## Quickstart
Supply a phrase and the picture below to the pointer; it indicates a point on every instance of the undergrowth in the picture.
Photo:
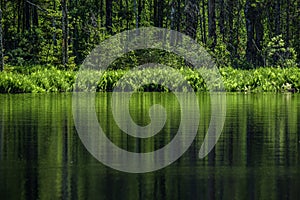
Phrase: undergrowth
(39, 79)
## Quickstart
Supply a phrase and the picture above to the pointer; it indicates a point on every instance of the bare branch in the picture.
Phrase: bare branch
(38, 7)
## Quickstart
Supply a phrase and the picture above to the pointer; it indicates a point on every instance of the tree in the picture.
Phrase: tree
(64, 32)
(1, 44)
(34, 29)
(203, 22)
(192, 11)
(254, 29)
(158, 13)
(108, 23)
(212, 23)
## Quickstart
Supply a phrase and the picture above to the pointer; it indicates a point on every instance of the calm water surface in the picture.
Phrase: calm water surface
(256, 157)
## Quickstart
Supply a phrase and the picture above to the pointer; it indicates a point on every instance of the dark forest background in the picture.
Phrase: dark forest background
(239, 33)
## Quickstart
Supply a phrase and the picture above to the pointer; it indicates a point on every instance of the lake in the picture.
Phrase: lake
(257, 155)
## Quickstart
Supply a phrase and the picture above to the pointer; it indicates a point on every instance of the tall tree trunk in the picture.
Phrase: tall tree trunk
(127, 17)
(178, 15)
(255, 34)
(64, 32)
(221, 19)
(204, 21)
(136, 14)
(19, 17)
(192, 11)
(109, 16)
(1, 44)
(160, 13)
(121, 13)
(140, 8)
(212, 23)
(102, 12)
(287, 37)
(54, 27)
(231, 15)
(35, 17)
(155, 13)
(238, 25)
(173, 14)
(259, 34)
(249, 15)
(277, 17)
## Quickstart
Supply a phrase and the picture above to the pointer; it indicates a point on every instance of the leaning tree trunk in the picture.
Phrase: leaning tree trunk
(65, 33)
(1, 44)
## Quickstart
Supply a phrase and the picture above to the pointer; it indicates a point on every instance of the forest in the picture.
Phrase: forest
(240, 34)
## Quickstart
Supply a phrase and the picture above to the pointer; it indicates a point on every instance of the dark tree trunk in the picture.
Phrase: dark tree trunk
(102, 12)
(140, 9)
(192, 11)
(204, 21)
(127, 17)
(254, 30)
(26, 17)
(231, 46)
(108, 23)
(160, 13)
(35, 17)
(287, 37)
(136, 14)
(259, 34)
(178, 15)
(277, 17)
(64, 32)
(221, 19)
(173, 15)
(155, 13)
(19, 17)
(212, 23)
(1, 44)
(237, 35)
(75, 32)
(54, 32)
(249, 15)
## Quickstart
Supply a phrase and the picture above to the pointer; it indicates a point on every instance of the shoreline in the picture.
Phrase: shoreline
(53, 80)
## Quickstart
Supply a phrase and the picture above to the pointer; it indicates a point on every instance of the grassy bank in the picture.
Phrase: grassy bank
(40, 79)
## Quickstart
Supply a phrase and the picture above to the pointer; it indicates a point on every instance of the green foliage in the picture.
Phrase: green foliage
(37, 79)
(32, 30)
(261, 79)
(222, 55)
(278, 55)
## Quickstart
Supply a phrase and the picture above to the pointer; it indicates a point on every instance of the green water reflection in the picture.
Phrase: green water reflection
(257, 156)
